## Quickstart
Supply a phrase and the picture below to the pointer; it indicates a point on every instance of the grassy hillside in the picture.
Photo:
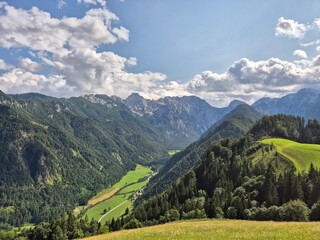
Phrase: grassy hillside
(301, 155)
(219, 229)
(117, 198)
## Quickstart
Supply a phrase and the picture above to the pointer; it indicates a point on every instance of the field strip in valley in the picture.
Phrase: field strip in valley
(103, 197)
(112, 210)
(113, 201)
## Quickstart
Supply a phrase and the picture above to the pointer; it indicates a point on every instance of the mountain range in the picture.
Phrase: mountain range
(304, 103)
(181, 119)
(55, 150)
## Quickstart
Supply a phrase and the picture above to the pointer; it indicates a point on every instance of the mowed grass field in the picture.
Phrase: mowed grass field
(121, 195)
(302, 155)
(220, 229)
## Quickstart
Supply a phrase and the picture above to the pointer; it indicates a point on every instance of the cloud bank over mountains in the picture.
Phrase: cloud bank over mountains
(64, 60)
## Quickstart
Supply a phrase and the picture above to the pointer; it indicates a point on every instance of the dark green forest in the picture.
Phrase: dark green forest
(225, 184)
(57, 153)
(234, 125)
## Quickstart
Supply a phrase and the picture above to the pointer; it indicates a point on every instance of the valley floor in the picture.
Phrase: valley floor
(220, 229)
(112, 202)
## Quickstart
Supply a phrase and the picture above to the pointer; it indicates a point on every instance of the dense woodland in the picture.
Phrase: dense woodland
(66, 227)
(234, 125)
(225, 184)
(53, 164)
(57, 153)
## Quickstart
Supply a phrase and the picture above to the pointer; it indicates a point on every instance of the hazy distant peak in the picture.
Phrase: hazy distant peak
(235, 103)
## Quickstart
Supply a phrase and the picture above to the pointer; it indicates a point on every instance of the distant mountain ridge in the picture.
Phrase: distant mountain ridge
(304, 103)
(182, 119)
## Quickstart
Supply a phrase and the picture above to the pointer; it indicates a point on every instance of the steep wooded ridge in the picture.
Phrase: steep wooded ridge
(233, 125)
(55, 153)
(181, 119)
(242, 179)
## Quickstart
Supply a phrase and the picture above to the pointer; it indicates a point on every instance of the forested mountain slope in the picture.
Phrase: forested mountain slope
(55, 153)
(226, 182)
(234, 125)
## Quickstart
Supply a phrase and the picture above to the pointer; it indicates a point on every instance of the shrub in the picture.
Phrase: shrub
(133, 223)
(295, 211)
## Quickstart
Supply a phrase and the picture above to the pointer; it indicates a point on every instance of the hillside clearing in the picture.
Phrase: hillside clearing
(219, 229)
(301, 155)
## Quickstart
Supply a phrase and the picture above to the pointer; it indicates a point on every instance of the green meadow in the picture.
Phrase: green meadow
(301, 155)
(220, 230)
(121, 197)
(173, 152)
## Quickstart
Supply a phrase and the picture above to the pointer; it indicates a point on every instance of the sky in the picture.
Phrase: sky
(217, 50)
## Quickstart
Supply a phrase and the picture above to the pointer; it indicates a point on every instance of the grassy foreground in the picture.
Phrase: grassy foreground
(220, 229)
(301, 155)
(119, 197)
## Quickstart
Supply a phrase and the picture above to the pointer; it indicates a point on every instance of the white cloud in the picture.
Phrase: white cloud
(308, 34)
(94, 2)
(20, 81)
(300, 54)
(37, 30)
(28, 65)
(290, 28)
(104, 72)
(248, 81)
(5, 66)
(67, 47)
(61, 3)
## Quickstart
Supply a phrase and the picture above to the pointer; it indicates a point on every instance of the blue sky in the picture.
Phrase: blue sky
(217, 50)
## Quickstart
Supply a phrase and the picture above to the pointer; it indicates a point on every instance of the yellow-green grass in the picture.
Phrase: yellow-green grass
(133, 176)
(134, 187)
(96, 212)
(220, 229)
(301, 155)
(173, 152)
(123, 191)
(129, 178)
(281, 163)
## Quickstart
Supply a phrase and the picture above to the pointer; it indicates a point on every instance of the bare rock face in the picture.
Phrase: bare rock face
(181, 119)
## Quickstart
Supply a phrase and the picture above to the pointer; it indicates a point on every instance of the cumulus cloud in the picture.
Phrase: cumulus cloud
(248, 81)
(5, 66)
(37, 30)
(28, 65)
(103, 72)
(20, 81)
(307, 34)
(290, 28)
(300, 54)
(67, 48)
